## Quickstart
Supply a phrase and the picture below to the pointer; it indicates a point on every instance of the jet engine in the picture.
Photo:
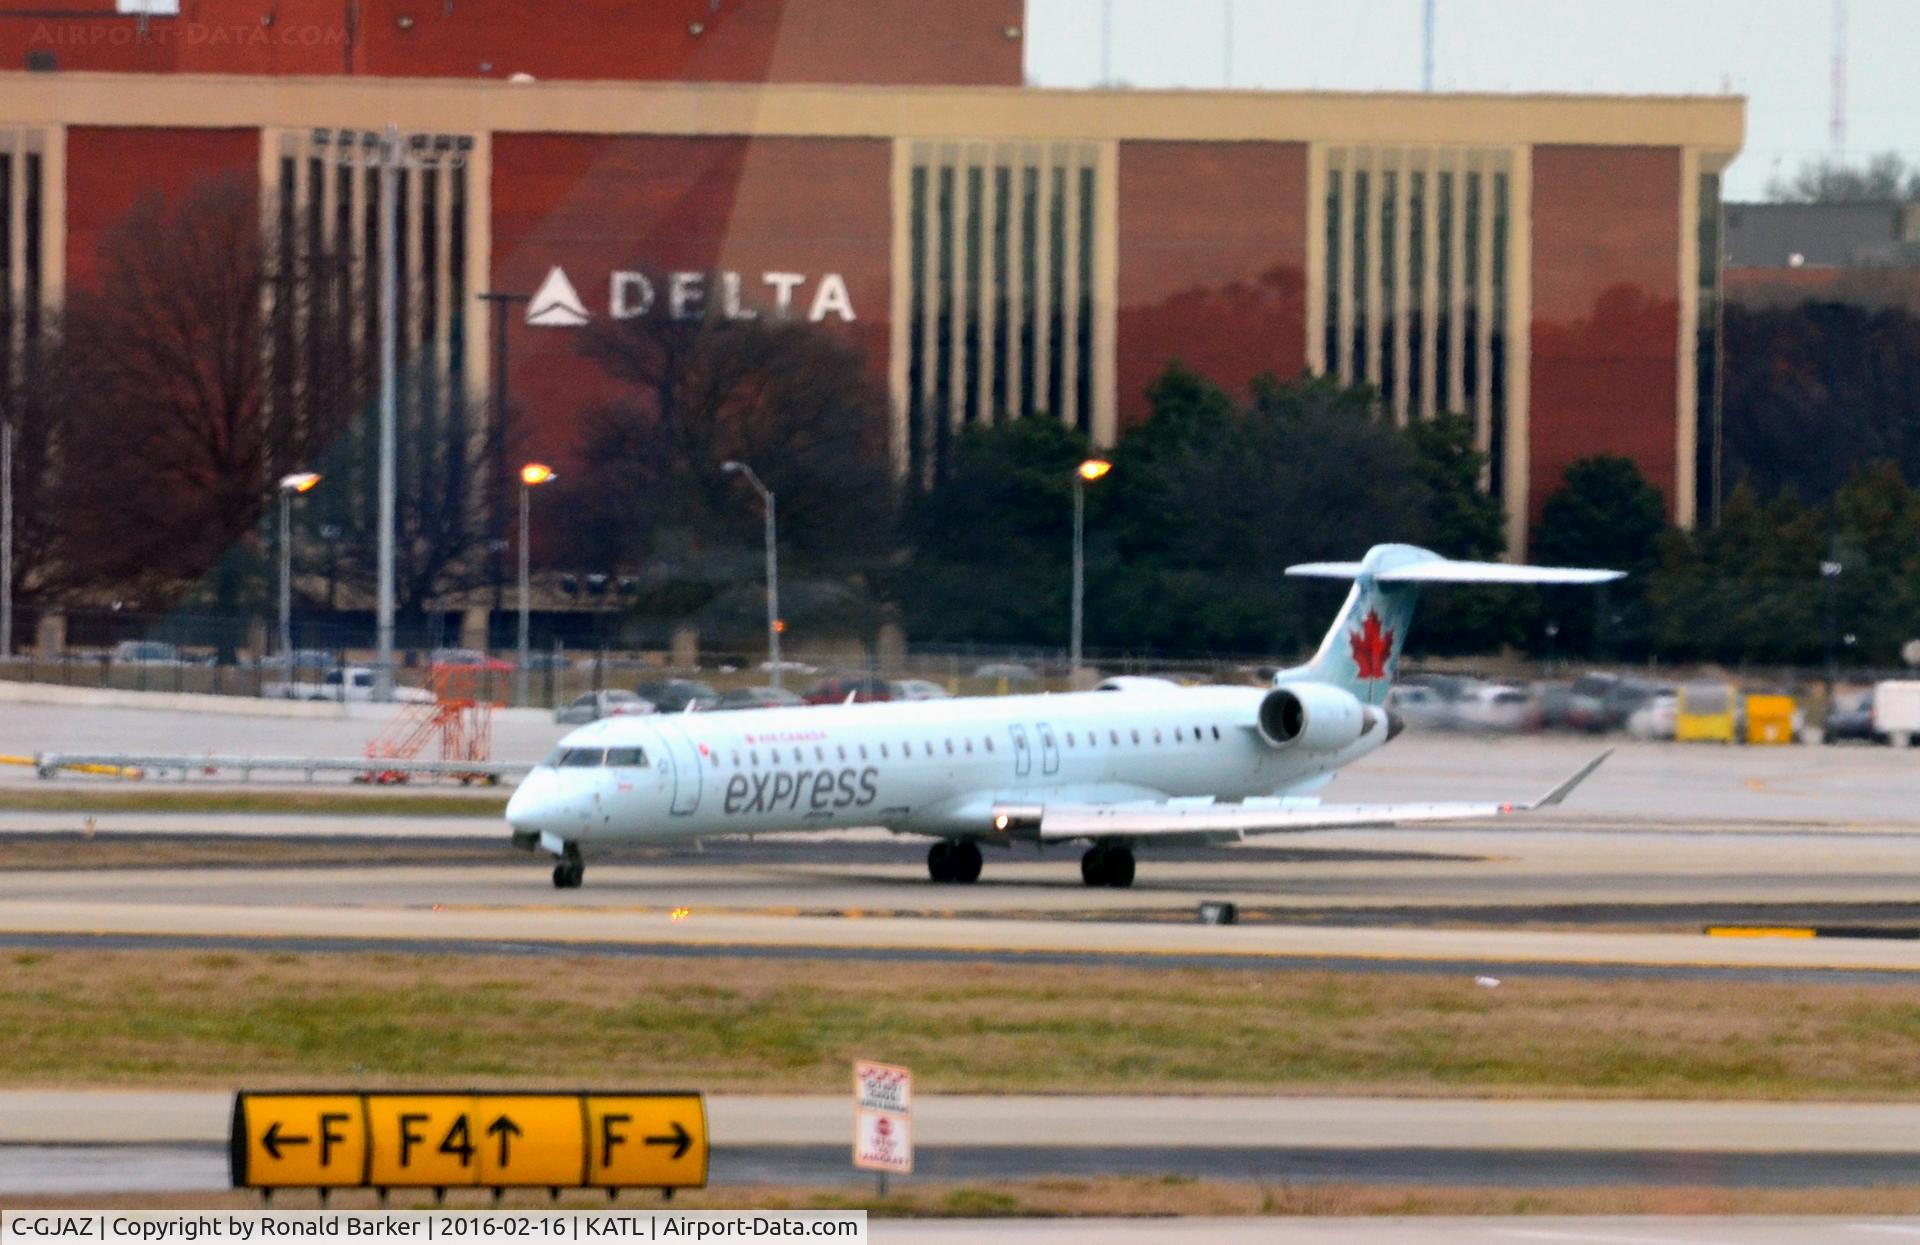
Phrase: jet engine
(1311, 715)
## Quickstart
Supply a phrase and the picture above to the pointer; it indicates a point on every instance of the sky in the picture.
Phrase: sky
(1777, 53)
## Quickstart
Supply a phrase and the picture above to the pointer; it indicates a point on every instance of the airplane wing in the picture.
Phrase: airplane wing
(1184, 821)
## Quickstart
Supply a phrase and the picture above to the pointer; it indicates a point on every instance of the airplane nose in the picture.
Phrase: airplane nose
(532, 807)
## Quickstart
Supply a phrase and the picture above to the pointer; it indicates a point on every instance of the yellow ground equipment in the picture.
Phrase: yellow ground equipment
(1705, 713)
(1770, 719)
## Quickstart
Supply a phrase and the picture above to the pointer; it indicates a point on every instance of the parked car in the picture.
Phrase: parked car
(918, 689)
(1012, 671)
(1604, 702)
(1419, 707)
(301, 661)
(1496, 707)
(1851, 717)
(351, 684)
(1657, 717)
(614, 702)
(466, 658)
(674, 695)
(144, 653)
(759, 698)
(840, 688)
(787, 667)
(541, 662)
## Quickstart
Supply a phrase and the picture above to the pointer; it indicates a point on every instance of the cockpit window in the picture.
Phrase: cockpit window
(581, 758)
(627, 758)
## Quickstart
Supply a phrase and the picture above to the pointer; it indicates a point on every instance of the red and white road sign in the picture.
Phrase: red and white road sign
(882, 1118)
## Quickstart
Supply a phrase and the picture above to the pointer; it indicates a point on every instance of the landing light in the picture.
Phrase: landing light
(535, 473)
(1094, 468)
(1001, 822)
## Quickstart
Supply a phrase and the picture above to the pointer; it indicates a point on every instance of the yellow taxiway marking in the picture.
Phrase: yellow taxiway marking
(1757, 931)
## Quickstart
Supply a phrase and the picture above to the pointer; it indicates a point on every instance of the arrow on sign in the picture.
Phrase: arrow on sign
(272, 1140)
(503, 1128)
(679, 1140)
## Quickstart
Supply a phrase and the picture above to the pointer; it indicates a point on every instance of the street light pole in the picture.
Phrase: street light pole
(385, 151)
(1087, 472)
(530, 475)
(6, 538)
(773, 566)
(298, 482)
(500, 303)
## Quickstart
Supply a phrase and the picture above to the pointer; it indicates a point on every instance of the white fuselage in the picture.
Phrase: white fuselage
(929, 767)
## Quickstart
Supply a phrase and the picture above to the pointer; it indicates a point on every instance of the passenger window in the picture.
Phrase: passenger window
(969, 746)
(863, 751)
(949, 747)
(843, 752)
(1136, 738)
(1178, 737)
(627, 758)
(754, 757)
(799, 757)
(988, 742)
(1156, 737)
(582, 758)
(1115, 737)
(819, 754)
(1069, 739)
(1216, 732)
(736, 760)
(883, 752)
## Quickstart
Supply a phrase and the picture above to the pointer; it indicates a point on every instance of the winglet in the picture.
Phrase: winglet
(1561, 792)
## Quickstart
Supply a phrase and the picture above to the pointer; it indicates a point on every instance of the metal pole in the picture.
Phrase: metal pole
(286, 578)
(1079, 576)
(773, 590)
(390, 157)
(6, 538)
(1426, 48)
(520, 673)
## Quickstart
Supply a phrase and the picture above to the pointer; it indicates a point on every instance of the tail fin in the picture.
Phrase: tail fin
(1361, 653)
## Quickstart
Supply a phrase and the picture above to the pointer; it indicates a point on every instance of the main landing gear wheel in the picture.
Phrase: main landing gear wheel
(568, 874)
(1107, 864)
(954, 860)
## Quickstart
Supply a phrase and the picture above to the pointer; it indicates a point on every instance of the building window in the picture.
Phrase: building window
(1708, 386)
(1001, 273)
(1417, 282)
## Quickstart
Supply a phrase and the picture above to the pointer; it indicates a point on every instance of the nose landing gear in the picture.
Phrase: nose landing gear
(1107, 864)
(568, 874)
(954, 860)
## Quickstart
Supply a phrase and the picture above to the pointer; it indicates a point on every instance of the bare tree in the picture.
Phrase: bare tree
(211, 366)
(791, 399)
(1885, 178)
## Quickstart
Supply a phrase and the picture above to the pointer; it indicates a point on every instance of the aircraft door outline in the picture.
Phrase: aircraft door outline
(1022, 752)
(1049, 751)
(683, 767)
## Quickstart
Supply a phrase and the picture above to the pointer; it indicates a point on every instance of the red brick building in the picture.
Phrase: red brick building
(1547, 264)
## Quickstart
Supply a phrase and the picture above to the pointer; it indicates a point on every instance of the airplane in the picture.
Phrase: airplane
(1133, 764)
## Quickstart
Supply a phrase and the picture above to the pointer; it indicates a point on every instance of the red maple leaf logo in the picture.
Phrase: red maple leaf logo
(1371, 647)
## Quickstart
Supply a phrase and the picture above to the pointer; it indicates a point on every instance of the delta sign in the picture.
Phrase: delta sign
(695, 295)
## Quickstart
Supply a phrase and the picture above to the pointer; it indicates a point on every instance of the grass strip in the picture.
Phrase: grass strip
(220, 1019)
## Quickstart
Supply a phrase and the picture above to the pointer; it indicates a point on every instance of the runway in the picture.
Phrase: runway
(1592, 896)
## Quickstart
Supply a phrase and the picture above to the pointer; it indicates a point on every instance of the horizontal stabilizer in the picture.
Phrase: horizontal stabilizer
(1446, 571)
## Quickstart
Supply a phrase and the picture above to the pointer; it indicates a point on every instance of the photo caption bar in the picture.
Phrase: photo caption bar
(248, 1227)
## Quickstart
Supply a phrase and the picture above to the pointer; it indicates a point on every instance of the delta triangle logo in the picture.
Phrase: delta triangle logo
(1372, 648)
(556, 304)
